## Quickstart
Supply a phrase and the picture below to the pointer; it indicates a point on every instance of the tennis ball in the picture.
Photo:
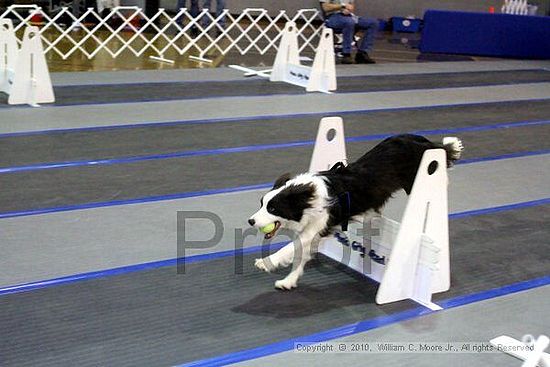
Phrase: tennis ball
(268, 229)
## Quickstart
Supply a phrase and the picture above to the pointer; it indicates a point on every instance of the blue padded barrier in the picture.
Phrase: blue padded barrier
(406, 25)
(486, 34)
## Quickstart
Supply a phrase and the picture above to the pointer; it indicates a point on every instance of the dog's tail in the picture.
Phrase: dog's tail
(453, 146)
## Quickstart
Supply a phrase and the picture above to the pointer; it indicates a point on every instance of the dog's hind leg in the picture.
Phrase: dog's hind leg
(280, 259)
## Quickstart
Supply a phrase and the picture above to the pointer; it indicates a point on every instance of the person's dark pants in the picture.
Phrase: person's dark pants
(151, 7)
(349, 25)
(194, 10)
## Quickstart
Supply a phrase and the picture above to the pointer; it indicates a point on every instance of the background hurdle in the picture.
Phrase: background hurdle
(8, 55)
(25, 75)
(320, 77)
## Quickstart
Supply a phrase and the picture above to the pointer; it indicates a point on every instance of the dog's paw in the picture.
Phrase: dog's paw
(260, 264)
(286, 284)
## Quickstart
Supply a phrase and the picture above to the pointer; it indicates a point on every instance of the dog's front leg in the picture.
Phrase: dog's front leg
(300, 259)
(280, 259)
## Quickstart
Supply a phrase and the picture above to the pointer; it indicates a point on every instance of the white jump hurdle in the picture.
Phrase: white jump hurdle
(24, 73)
(8, 55)
(410, 259)
(320, 77)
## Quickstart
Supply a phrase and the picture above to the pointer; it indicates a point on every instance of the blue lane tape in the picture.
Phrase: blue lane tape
(124, 160)
(496, 292)
(505, 156)
(195, 98)
(183, 83)
(366, 325)
(251, 118)
(186, 195)
(253, 148)
(268, 94)
(287, 345)
(148, 199)
(135, 268)
(496, 209)
(221, 254)
(339, 332)
(238, 80)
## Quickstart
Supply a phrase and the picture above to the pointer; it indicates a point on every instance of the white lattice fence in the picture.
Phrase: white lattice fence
(128, 29)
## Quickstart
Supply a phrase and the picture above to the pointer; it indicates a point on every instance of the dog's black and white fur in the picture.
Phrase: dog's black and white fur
(313, 205)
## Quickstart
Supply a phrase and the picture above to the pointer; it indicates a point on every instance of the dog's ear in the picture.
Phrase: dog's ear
(281, 181)
(299, 195)
(291, 202)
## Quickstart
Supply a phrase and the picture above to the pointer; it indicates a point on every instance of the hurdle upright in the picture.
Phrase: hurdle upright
(410, 259)
(320, 77)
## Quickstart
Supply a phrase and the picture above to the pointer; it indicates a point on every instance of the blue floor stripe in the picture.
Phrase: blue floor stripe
(496, 209)
(506, 156)
(339, 332)
(242, 80)
(192, 194)
(252, 118)
(288, 345)
(132, 269)
(184, 83)
(253, 148)
(495, 292)
(298, 92)
(222, 254)
(366, 325)
(124, 160)
(148, 199)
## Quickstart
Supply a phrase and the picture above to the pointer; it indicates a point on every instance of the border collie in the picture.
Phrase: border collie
(313, 205)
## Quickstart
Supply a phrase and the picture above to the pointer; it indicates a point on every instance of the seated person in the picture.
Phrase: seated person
(339, 16)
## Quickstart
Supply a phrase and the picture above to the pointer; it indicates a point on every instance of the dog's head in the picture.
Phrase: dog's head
(286, 205)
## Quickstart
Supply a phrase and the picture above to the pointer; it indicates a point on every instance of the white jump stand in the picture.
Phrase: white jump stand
(320, 77)
(410, 259)
(8, 55)
(26, 77)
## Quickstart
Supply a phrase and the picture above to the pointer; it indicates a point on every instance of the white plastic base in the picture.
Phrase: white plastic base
(200, 59)
(162, 59)
(251, 72)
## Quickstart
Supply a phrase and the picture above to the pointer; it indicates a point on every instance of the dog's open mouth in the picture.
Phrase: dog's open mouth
(272, 233)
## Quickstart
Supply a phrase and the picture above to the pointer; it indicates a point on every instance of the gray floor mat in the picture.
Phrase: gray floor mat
(473, 324)
(97, 94)
(150, 140)
(158, 317)
(81, 185)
